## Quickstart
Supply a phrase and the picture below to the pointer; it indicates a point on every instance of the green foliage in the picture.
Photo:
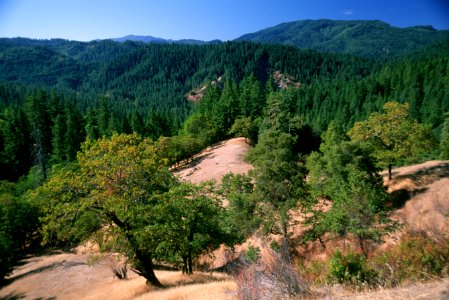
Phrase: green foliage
(252, 254)
(108, 196)
(415, 257)
(350, 268)
(278, 170)
(366, 38)
(18, 225)
(240, 219)
(245, 127)
(188, 224)
(15, 144)
(392, 136)
(345, 174)
(444, 139)
(179, 148)
(337, 158)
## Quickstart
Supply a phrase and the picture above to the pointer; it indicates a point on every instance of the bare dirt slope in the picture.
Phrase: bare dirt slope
(422, 192)
(216, 161)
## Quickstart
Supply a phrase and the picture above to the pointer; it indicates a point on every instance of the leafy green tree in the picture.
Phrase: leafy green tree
(91, 128)
(189, 223)
(137, 123)
(18, 226)
(392, 136)
(337, 157)
(245, 127)
(240, 216)
(225, 110)
(178, 148)
(104, 118)
(109, 196)
(345, 174)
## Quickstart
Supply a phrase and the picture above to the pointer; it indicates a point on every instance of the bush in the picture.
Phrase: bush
(350, 268)
(253, 253)
(416, 257)
(18, 224)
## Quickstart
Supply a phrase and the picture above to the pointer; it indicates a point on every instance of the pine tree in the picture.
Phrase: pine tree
(75, 133)
(444, 139)
(17, 158)
(58, 141)
(91, 128)
(40, 123)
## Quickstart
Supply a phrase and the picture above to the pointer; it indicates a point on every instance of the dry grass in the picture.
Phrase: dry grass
(435, 290)
(213, 290)
(425, 189)
(69, 276)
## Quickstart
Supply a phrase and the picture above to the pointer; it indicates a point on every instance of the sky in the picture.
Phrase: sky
(86, 20)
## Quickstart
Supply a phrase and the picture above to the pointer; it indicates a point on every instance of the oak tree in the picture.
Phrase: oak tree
(393, 136)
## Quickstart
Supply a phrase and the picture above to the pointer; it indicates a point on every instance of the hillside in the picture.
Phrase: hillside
(425, 190)
(216, 161)
(365, 38)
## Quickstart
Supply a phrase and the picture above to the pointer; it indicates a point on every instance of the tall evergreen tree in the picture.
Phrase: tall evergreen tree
(16, 144)
(58, 141)
(40, 123)
(91, 128)
(75, 132)
(444, 138)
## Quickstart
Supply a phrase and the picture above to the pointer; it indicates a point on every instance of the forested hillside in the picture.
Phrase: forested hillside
(90, 134)
(125, 87)
(374, 39)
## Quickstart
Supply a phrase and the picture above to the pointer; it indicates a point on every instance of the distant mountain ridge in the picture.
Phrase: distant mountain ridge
(374, 39)
(157, 40)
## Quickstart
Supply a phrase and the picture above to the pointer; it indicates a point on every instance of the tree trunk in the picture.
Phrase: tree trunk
(145, 268)
(184, 265)
(189, 263)
(389, 171)
(144, 262)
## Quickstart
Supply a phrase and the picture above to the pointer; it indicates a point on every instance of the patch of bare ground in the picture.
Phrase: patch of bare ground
(421, 194)
(70, 276)
(216, 161)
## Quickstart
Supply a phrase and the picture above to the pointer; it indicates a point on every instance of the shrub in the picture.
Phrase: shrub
(350, 268)
(416, 257)
(253, 253)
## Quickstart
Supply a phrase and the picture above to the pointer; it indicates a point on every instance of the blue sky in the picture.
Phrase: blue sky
(86, 20)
